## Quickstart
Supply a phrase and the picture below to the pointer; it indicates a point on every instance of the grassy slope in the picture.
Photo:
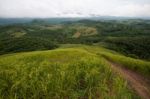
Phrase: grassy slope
(140, 66)
(71, 71)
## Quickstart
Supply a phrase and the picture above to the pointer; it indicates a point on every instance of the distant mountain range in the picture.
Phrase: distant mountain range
(7, 21)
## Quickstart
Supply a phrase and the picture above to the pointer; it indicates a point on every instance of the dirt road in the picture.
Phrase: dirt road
(137, 82)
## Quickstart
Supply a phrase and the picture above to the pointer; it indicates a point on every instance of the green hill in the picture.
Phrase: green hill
(69, 72)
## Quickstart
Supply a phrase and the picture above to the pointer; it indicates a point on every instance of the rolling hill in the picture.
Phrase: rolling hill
(129, 37)
(68, 72)
(75, 59)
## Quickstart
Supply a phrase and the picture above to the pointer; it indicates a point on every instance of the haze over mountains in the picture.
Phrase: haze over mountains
(24, 11)
(7, 21)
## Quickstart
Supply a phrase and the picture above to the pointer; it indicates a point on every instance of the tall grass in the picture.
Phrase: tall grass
(137, 65)
(60, 74)
(140, 66)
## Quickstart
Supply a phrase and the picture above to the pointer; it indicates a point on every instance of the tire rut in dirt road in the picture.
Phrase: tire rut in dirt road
(137, 82)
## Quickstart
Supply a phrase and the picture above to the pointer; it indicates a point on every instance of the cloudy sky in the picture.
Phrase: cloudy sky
(74, 8)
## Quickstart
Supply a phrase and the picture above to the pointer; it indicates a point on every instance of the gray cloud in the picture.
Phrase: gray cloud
(73, 8)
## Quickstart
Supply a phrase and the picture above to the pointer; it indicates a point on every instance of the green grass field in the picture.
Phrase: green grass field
(69, 72)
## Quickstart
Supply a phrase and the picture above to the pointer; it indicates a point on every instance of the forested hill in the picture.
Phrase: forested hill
(129, 36)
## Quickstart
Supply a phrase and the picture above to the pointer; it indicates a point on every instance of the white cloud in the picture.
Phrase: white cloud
(73, 8)
(133, 10)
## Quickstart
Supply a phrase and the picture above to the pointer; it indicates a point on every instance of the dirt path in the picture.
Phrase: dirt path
(136, 81)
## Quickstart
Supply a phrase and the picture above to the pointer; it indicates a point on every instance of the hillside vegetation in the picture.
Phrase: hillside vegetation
(137, 47)
(73, 71)
(129, 37)
(75, 59)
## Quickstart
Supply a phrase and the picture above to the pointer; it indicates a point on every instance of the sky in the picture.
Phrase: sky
(74, 8)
